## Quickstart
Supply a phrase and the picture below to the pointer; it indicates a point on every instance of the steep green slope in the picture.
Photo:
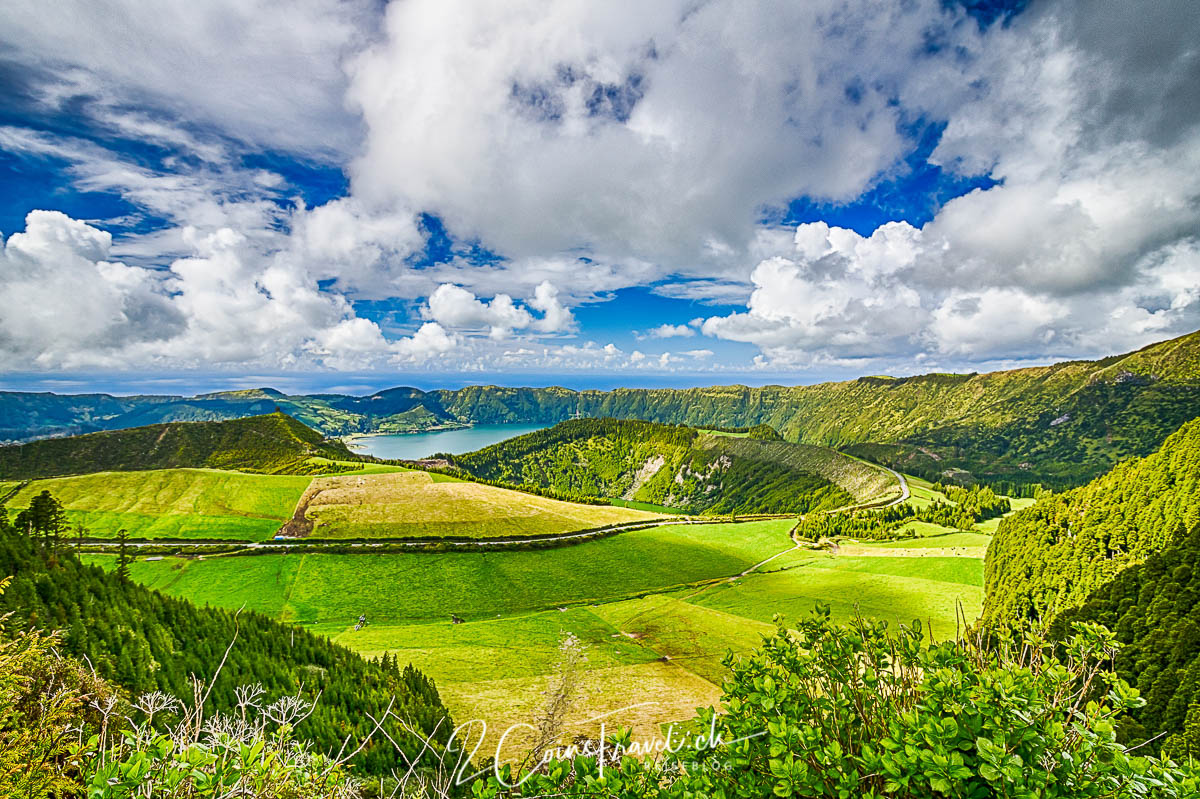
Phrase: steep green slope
(866, 483)
(676, 467)
(273, 444)
(1052, 556)
(145, 641)
(1154, 608)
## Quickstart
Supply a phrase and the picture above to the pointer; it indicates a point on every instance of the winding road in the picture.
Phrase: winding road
(904, 492)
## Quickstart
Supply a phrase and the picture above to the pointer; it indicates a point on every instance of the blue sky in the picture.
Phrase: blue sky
(439, 193)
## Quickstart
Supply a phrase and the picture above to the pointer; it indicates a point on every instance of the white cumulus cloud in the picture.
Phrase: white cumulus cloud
(670, 331)
(456, 307)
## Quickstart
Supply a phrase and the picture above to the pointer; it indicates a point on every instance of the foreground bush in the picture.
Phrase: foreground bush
(43, 699)
(250, 754)
(827, 710)
(65, 732)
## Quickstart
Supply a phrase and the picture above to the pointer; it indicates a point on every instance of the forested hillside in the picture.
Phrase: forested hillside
(1052, 556)
(864, 482)
(966, 507)
(271, 444)
(666, 465)
(144, 641)
(1154, 609)
(1060, 425)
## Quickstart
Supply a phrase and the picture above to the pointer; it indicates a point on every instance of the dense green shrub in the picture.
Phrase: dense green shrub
(827, 710)
(44, 699)
(252, 752)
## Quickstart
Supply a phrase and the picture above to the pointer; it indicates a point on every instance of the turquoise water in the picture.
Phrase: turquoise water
(411, 446)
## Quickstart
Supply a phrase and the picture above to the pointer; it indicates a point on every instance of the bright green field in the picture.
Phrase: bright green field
(654, 609)
(510, 646)
(895, 589)
(691, 635)
(926, 529)
(174, 503)
(990, 525)
(407, 588)
(934, 540)
(650, 507)
(359, 467)
(922, 493)
(495, 665)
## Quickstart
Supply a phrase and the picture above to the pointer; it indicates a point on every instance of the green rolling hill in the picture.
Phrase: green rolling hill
(676, 467)
(270, 444)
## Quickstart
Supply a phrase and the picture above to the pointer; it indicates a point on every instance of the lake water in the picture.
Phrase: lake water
(411, 446)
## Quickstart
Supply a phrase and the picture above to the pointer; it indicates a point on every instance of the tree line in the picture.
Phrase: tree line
(967, 507)
(144, 641)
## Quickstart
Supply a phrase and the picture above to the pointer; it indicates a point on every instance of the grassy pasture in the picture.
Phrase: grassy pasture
(524, 645)
(926, 529)
(174, 503)
(895, 589)
(412, 588)
(941, 540)
(690, 635)
(414, 504)
(1018, 503)
(643, 697)
(649, 507)
(495, 665)
(497, 669)
(650, 606)
(358, 467)
(922, 494)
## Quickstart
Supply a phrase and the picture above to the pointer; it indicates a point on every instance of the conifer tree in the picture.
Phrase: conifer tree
(44, 518)
(123, 555)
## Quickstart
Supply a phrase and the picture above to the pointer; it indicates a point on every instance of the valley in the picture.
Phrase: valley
(659, 627)
(653, 557)
(436, 399)
(655, 608)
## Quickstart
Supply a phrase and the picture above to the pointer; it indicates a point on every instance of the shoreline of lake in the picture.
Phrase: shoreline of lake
(354, 440)
(418, 445)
